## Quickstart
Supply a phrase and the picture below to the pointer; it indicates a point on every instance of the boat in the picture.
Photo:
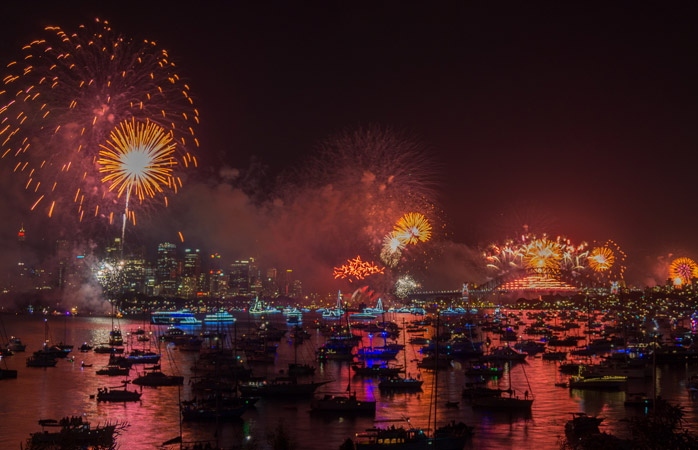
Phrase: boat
(85, 347)
(342, 403)
(363, 316)
(208, 412)
(398, 383)
(143, 357)
(581, 426)
(554, 356)
(41, 360)
(182, 317)
(281, 386)
(258, 308)
(15, 345)
(155, 377)
(334, 313)
(398, 438)
(108, 349)
(219, 317)
(501, 402)
(7, 374)
(346, 403)
(484, 370)
(393, 383)
(73, 432)
(117, 394)
(113, 370)
(608, 382)
(298, 370)
(375, 370)
(115, 338)
(639, 399)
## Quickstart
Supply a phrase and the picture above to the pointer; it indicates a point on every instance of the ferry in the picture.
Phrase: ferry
(219, 317)
(174, 318)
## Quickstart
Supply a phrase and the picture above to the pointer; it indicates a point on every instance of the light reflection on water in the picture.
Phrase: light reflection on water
(64, 391)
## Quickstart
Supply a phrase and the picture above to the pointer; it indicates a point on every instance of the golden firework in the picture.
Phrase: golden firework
(601, 259)
(138, 157)
(413, 228)
(682, 270)
(542, 255)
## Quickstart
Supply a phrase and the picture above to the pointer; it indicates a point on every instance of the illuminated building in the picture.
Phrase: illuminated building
(62, 258)
(297, 289)
(270, 287)
(190, 273)
(166, 271)
(134, 274)
(239, 277)
(218, 282)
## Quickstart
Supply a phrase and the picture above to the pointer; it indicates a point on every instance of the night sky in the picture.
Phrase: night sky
(572, 118)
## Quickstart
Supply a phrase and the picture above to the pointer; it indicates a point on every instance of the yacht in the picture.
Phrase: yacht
(259, 308)
(219, 317)
(182, 317)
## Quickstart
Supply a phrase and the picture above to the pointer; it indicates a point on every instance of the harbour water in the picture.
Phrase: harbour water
(64, 390)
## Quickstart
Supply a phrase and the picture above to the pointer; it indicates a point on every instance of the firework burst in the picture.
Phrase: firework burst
(64, 96)
(601, 259)
(138, 158)
(543, 255)
(392, 249)
(405, 285)
(356, 269)
(413, 228)
(682, 270)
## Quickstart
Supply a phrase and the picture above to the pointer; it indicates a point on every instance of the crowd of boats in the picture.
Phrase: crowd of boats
(591, 351)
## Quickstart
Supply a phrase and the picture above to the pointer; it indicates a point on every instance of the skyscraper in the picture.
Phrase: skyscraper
(190, 273)
(239, 279)
(166, 271)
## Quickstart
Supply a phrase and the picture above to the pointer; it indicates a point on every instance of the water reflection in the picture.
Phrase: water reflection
(65, 390)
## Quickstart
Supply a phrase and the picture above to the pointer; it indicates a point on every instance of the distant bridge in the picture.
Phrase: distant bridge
(482, 291)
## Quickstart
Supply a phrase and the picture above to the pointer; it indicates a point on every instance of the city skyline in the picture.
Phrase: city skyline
(511, 131)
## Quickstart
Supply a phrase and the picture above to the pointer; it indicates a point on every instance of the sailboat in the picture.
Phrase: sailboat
(336, 312)
(451, 436)
(397, 382)
(347, 403)
(510, 402)
(295, 369)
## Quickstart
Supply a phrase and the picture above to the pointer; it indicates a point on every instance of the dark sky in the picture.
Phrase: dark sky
(579, 117)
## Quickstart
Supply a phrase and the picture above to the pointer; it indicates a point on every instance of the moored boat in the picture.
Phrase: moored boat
(117, 394)
(342, 403)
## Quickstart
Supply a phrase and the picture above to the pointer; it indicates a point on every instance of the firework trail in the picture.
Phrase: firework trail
(413, 228)
(64, 97)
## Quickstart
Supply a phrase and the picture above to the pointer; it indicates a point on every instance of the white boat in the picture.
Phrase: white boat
(259, 308)
(219, 317)
(336, 312)
(182, 317)
(377, 310)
